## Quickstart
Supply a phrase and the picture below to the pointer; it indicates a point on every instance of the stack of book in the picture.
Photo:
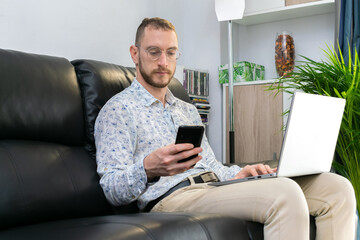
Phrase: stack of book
(196, 82)
(203, 106)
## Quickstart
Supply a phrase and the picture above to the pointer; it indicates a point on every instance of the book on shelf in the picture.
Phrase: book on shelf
(203, 111)
(204, 119)
(196, 82)
(203, 106)
(200, 102)
(199, 99)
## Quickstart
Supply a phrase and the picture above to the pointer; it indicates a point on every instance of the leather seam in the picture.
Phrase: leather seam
(194, 219)
(60, 153)
(145, 229)
(16, 168)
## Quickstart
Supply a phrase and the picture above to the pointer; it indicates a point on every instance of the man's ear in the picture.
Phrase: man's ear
(134, 52)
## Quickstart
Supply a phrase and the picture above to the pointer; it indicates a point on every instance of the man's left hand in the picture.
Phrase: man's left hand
(255, 170)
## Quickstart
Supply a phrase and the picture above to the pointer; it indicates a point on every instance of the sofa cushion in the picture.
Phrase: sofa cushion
(99, 81)
(155, 226)
(39, 99)
(46, 181)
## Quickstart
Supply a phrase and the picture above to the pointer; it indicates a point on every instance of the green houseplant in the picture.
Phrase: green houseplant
(332, 77)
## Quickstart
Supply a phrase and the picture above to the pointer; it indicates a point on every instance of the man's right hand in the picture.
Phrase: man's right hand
(164, 161)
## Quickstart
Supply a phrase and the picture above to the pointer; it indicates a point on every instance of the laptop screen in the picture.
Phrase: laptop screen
(311, 134)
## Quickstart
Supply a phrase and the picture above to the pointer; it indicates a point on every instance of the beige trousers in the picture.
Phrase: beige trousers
(281, 204)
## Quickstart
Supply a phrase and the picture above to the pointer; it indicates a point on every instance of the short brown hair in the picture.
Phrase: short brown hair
(157, 23)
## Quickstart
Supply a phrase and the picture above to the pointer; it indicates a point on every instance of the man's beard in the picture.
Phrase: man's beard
(148, 79)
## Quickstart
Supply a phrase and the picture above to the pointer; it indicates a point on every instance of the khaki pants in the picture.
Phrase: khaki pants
(281, 204)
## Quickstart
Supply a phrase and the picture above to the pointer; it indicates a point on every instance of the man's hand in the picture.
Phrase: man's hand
(254, 170)
(164, 161)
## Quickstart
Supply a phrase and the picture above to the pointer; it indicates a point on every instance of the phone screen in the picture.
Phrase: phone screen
(190, 134)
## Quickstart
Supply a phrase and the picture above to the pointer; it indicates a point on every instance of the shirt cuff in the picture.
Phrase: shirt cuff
(152, 181)
(138, 178)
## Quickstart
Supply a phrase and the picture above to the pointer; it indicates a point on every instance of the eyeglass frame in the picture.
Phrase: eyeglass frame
(165, 51)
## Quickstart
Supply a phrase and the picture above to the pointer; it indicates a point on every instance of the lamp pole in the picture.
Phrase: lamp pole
(226, 10)
(231, 100)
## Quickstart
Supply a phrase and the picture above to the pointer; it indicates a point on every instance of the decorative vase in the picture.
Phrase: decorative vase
(284, 54)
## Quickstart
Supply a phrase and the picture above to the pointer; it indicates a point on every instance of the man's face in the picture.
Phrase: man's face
(157, 73)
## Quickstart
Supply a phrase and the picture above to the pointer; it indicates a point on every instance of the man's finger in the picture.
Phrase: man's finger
(177, 148)
(191, 163)
(269, 169)
(188, 153)
(261, 169)
(253, 172)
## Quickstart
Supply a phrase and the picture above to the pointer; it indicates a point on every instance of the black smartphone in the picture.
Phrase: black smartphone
(190, 134)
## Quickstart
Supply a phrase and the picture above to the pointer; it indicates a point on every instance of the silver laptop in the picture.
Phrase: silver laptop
(310, 138)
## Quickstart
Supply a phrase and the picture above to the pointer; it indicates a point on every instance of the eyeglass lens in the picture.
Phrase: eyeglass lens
(155, 53)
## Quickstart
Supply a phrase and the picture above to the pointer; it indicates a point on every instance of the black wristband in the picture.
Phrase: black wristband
(154, 180)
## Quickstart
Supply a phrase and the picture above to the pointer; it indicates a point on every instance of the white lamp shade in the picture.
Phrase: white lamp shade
(229, 9)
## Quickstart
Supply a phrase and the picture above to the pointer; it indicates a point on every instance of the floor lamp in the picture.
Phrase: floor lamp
(227, 10)
(231, 99)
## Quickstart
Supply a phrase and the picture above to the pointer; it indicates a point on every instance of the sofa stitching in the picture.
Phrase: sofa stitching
(16, 168)
(60, 153)
(195, 220)
(145, 229)
(83, 90)
(208, 235)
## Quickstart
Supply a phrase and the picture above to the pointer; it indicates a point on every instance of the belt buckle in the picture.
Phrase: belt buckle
(209, 177)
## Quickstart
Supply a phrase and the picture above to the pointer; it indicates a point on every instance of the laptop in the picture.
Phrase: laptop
(310, 138)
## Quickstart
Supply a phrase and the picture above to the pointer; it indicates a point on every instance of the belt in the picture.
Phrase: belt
(199, 178)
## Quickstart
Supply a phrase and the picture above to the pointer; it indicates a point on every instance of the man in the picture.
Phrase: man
(138, 160)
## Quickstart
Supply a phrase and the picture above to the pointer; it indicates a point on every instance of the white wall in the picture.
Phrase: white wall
(202, 51)
(104, 30)
(101, 30)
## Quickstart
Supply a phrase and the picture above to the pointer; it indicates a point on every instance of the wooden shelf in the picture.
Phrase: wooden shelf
(288, 12)
(253, 82)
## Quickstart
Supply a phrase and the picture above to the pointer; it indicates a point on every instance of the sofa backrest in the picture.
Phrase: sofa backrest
(45, 173)
(99, 81)
(39, 98)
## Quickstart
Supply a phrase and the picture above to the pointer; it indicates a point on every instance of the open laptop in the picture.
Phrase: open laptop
(310, 138)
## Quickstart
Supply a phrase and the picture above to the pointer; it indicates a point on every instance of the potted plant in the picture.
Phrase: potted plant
(332, 77)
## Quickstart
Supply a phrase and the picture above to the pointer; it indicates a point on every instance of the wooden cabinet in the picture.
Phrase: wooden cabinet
(257, 121)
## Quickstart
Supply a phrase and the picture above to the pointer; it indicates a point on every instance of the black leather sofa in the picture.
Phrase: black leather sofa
(49, 188)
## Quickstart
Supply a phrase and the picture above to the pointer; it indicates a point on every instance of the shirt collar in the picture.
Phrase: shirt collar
(169, 97)
(147, 99)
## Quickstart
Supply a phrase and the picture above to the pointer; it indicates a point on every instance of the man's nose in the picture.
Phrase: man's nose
(162, 59)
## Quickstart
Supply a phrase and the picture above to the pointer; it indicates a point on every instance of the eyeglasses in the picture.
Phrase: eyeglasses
(154, 53)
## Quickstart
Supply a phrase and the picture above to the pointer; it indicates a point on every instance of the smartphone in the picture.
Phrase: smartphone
(190, 134)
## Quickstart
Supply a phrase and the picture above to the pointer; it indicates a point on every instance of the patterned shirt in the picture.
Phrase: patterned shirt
(130, 126)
